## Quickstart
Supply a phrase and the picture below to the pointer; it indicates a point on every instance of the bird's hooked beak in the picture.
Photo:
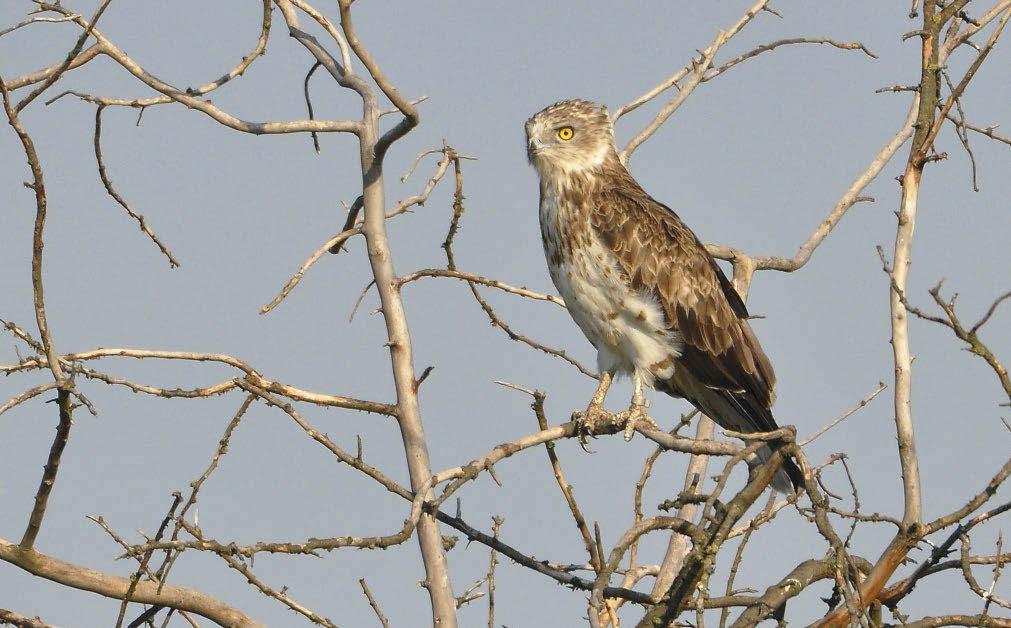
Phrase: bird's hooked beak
(533, 146)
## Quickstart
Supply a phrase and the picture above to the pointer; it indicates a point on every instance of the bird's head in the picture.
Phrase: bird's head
(569, 136)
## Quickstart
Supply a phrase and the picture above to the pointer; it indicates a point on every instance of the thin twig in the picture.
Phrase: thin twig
(496, 321)
(787, 42)
(845, 415)
(987, 131)
(374, 604)
(195, 486)
(279, 595)
(38, 186)
(484, 281)
(672, 81)
(173, 263)
(76, 50)
(739, 554)
(970, 579)
(331, 245)
(186, 96)
(308, 102)
(238, 70)
(37, 20)
(144, 559)
(596, 560)
(490, 578)
(353, 227)
(960, 131)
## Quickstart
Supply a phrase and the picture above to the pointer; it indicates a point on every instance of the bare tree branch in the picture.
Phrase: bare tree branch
(934, 53)
(78, 46)
(10, 618)
(173, 263)
(952, 322)
(847, 200)
(959, 620)
(845, 415)
(353, 228)
(708, 513)
(195, 102)
(775, 597)
(787, 42)
(31, 393)
(279, 595)
(32, 78)
(374, 604)
(114, 587)
(672, 81)
(484, 281)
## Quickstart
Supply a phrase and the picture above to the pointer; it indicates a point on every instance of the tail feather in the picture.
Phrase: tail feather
(740, 412)
(758, 418)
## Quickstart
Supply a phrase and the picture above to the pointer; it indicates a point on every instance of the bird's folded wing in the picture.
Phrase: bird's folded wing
(660, 255)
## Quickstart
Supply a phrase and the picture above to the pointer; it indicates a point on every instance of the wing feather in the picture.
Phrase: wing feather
(661, 255)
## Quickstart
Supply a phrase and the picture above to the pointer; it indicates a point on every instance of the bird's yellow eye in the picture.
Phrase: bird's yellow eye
(565, 133)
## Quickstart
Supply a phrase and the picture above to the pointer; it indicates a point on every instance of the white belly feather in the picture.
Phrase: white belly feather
(627, 327)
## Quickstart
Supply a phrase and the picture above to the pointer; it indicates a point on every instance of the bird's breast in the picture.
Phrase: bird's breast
(627, 326)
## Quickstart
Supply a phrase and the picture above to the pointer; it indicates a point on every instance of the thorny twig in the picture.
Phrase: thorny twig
(173, 263)
(145, 558)
(374, 604)
(279, 595)
(490, 578)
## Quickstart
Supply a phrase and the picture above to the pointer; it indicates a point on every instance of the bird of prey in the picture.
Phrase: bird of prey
(641, 286)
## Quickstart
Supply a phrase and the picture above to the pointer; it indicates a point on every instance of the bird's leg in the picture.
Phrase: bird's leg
(595, 415)
(636, 412)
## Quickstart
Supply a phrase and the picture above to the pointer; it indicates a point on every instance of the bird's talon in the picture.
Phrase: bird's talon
(590, 421)
(635, 415)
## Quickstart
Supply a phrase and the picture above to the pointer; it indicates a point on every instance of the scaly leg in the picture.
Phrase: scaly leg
(595, 414)
(636, 412)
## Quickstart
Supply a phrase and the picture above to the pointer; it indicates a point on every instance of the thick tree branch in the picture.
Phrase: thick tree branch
(10, 618)
(32, 78)
(114, 587)
(801, 577)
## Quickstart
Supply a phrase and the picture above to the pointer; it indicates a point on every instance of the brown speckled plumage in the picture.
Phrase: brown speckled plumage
(659, 254)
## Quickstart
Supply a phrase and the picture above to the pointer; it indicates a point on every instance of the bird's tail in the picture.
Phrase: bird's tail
(754, 417)
(739, 412)
(789, 478)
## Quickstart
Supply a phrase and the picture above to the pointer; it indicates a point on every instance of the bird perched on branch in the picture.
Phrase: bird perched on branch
(641, 286)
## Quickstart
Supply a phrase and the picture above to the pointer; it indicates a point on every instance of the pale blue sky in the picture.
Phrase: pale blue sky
(754, 159)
